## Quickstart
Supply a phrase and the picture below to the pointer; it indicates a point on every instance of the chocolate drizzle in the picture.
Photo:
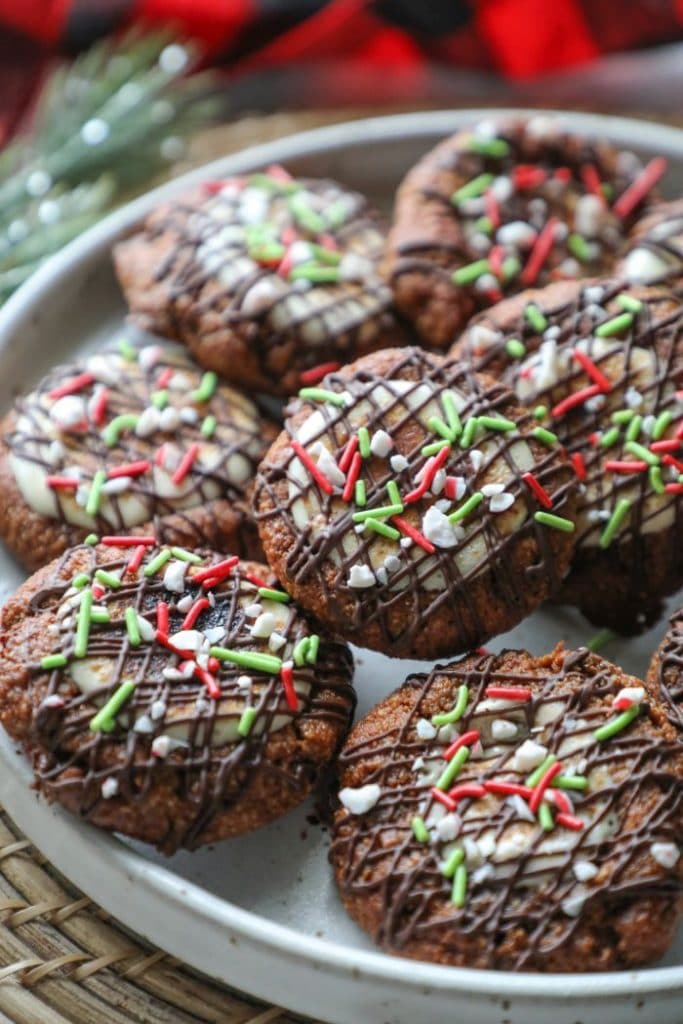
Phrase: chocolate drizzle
(525, 907)
(668, 674)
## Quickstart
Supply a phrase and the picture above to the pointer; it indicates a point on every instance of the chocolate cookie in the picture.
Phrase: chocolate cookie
(514, 812)
(265, 278)
(133, 440)
(656, 247)
(501, 207)
(666, 671)
(409, 505)
(167, 694)
(602, 366)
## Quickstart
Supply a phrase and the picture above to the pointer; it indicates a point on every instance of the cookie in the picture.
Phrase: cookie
(656, 246)
(504, 206)
(514, 812)
(666, 671)
(137, 440)
(266, 278)
(602, 366)
(409, 507)
(167, 694)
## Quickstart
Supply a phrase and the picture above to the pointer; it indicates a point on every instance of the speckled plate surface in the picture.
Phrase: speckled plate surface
(261, 912)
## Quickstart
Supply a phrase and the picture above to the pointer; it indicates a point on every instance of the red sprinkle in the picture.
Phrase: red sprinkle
(579, 465)
(591, 179)
(98, 408)
(62, 483)
(594, 438)
(278, 172)
(212, 187)
(97, 591)
(195, 611)
(540, 252)
(542, 785)
(287, 677)
(593, 371)
(493, 295)
(160, 455)
(563, 174)
(616, 466)
(128, 542)
(537, 488)
(256, 580)
(431, 468)
(528, 176)
(673, 488)
(507, 788)
(495, 258)
(561, 800)
(288, 234)
(162, 617)
(638, 189)
(316, 373)
(135, 560)
(319, 477)
(622, 703)
(679, 433)
(508, 693)
(576, 398)
(569, 821)
(214, 665)
(185, 464)
(670, 461)
(217, 571)
(466, 789)
(163, 639)
(71, 387)
(352, 476)
(467, 739)
(209, 682)
(443, 798)
(348, 453)
(670, 445)
(132, 469)
(165, 377)
(409, 531)
(492, 208)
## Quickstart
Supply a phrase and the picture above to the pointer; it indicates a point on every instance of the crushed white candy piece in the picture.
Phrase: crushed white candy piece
(148, 422)
(482, 338)
(252, 611)
(424, 729)
(263, 626)
(53, 701)
(361, 799)
(516, 233)
(68, 412)
(185, 603)
(361, 577)
(648, 424)
(501, 502)
(472, 853)
(510, 846)
(157, 710)
(635, 694)
(501, 729)
(354, 267)
(633, 398)
(56, 453)
(398, 463)
(276, 641)
(476, 458)
(448, 828)
(382, 576)
(244, 682)
(520, 807)
(584, 870)
(187, 640)
(418, 763)
(104, 368)
(529, 756)
(482, 874)
(488, 490)
(437, 529)
(202, 704)
(109, 788)
(149, 356)
(405, 542)
(169, 419)
(487, 844)
(392, 563)
(189, 415)
(666, 854)
(146, 629)
(162, 746)
(642, 266)
(439, 481)
(116, 486)
(573, 905)
(381, 444)
(327, 465)
(143, 725)
(214, 634)
(174, 577)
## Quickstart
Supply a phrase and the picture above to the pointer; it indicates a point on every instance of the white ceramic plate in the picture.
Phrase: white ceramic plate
(261, 912)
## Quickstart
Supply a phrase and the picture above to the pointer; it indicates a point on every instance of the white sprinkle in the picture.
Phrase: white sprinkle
(437, 529)
(174, 577)
(262, 295)
(252, 611)
(666, 854)
(448, 828)
(361, 577)
(202, 704)
(361, 799)
(584, 870)
(392, 563)
(381, 444)
(148, 422)
(109, 788)
(529, 756)
(425, 730)
(398, 463)
(188, 414)
(595, 404)
(264, 626)
(634, 694)
(501, 502)
(406, 542)
(476, 458)
(157, 710)
(143, 725)
(501, 729)
(244, 682)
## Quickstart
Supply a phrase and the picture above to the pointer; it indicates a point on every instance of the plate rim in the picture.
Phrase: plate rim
(125, 862)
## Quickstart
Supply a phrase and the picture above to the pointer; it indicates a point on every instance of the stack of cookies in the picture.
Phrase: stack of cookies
(483, 411)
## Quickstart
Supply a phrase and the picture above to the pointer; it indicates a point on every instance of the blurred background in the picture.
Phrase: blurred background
(101, 98)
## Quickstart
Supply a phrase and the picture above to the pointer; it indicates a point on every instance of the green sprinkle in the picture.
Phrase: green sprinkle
(454, 861)
(511, 267)
(452, 414)
(270, 184)
(315, 274)
(80, 581)
(662, 424)
(656, 481)
(622, 416)
(383, 528)
(544, 436)
(545, 817)
(434, 448)
(621, 722)
(556, 522)
(607, 189)
(579, 247)
(337, 213)
(187, 556)
(614, 326)
(128, 351)
(299, 652)
(332, 257)
(364, 442)
(306, 217)
(467, 506)
(578, 782)
(273, 595)
(249, 659)
(53, 661)
(208, 427)
(132, 627)
(114, 429)
(538, 773)
(246, 721)
(321, 395)
(535, 318)
(453, 768)
(437, 426)
(383, 512)
(469, 432)
(107, 579)
(393, 493)
(610, 437)
(313, 648)
(474, 188)
(359, 493)
(83, 624)
(104, 720)
(459, 891)
(620, 512)
(207, 387)
(540, 412)
(95, 495)
(633, 429)
(515, 348)
(100, 616)
(488, 147)
(496, 423)
(629, 303)
(600, 640)
(641, 452)
(270, 252)
(457, 711)
(420, 830)
(157, 563)
(471, 272)
(484, 225)
(91, 539)
(159, 399)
